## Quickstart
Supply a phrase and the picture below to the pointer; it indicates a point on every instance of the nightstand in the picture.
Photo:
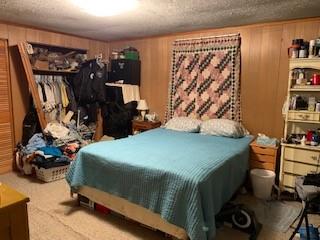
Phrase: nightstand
(264, 157)
(140, 126)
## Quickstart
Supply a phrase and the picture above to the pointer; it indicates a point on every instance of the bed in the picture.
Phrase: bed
(172, 181)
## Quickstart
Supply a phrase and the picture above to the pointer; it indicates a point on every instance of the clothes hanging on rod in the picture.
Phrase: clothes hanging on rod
(72, 106)
(56, 96)
(64, 96)
(41, 93)
(57, 92)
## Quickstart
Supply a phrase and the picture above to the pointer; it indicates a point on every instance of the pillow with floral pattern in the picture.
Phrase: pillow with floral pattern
(223, 127)
(184, 124)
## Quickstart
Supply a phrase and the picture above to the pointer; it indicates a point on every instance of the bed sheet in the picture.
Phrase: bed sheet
(184, 177)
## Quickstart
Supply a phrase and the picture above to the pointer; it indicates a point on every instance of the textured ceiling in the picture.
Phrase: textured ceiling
(153, 17)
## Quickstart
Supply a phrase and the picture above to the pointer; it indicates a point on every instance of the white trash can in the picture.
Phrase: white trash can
(262, 181)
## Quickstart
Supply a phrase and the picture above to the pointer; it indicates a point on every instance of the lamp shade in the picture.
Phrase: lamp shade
(142, 105)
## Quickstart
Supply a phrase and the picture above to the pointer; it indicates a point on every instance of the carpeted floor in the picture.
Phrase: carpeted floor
(54, 215)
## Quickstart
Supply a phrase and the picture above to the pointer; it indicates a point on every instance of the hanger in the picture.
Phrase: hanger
(37, 79)
(100, 61)
(98, 58)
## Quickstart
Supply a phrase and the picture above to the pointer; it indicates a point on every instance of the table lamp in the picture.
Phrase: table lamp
(142, 107)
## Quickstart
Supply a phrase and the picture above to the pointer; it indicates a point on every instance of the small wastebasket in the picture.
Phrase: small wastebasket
(262, 181)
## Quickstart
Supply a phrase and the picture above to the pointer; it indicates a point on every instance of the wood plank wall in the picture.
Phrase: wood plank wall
(14, 34)
(264, 68)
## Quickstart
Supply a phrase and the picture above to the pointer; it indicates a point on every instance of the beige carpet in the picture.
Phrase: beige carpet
(53, 215)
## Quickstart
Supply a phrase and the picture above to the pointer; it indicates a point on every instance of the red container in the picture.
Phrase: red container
(309, 135)
(101, 208)
(316, 79)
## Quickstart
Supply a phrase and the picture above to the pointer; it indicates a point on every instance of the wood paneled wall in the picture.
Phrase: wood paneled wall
(19, 86)
(264, 68)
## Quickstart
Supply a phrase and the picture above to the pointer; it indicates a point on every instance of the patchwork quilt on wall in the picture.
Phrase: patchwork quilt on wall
(205, 78)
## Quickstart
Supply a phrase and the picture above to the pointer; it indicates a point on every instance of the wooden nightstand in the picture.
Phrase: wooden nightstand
(264, 157)
(13, 214)
(140, 126)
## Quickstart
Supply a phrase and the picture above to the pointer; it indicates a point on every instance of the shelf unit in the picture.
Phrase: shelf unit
(52, 72)
(299, 146)
(296, 159)
(304, 89)
(30, 71)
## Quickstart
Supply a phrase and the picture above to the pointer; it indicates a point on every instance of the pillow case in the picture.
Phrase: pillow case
(183, 124)
(223, 127)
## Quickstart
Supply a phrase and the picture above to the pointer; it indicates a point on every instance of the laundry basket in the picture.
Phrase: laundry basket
(51, 174)
(262, 182)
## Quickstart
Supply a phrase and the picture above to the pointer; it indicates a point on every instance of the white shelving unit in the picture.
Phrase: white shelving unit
(297, 160)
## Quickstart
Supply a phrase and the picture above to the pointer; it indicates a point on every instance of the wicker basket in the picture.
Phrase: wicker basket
(51, 174)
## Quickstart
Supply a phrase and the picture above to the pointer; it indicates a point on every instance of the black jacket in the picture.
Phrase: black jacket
(89, 83)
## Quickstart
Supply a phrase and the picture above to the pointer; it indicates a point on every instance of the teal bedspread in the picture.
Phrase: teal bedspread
(185, 177)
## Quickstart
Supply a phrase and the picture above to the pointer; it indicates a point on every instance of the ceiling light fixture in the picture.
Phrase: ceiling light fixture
(103, 8)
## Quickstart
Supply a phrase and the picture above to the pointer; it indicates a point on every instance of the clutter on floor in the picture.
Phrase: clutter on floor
(49, 154)
(313, 233)
(309, 192)
(277, 216)
(239, 217)
(51, 205)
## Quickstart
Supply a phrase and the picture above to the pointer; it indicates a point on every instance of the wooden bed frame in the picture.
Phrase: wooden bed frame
(133, 211)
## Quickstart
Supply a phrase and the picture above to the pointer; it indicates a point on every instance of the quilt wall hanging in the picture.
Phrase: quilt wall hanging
(205, 78)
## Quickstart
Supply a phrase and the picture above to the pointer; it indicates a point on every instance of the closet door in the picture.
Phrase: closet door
(6, 135)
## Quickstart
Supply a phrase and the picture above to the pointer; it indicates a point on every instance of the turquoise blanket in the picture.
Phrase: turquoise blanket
(185, 177)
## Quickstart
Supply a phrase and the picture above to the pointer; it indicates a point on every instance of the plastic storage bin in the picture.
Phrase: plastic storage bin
(51, 174)
(262, 182)
(133, 55)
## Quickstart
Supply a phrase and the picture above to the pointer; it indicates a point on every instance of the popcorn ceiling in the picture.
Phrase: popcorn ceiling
(153, 17)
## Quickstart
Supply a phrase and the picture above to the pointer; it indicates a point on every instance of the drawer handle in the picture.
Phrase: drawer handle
(262, 154)
(315, 158)
(262, 147)
(303, 116)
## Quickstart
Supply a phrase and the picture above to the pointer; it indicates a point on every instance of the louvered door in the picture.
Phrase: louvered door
(6, 135)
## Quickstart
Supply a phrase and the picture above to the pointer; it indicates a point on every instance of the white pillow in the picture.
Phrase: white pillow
(183, 124)
(223, 127)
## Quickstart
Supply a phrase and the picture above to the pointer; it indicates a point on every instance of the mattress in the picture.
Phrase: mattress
(184, 177)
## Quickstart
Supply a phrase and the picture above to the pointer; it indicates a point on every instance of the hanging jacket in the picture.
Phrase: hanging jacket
(70, 94)
(89, 83)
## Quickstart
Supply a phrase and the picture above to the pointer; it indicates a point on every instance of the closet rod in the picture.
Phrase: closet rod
(198, 38)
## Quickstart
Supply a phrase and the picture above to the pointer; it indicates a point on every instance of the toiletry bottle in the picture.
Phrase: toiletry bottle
(303, 140)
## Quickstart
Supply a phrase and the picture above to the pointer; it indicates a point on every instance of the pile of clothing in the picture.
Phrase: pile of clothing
(49, 157)
(64, 134)
(56, 147)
